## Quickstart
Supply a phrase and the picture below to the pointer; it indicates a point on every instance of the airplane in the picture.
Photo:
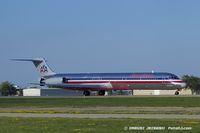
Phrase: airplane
(102, 82)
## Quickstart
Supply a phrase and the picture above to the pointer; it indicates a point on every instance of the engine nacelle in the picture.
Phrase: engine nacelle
(55, 80)
(42, 81)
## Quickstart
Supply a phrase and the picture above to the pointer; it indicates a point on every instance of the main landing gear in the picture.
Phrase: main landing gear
(101, 93)
(177, 92)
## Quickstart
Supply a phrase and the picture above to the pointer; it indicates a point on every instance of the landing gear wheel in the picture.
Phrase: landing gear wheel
(177, 93)
(86, 93)
(102, 92)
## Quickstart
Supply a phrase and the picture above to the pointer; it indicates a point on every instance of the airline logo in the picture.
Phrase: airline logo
(43, 69)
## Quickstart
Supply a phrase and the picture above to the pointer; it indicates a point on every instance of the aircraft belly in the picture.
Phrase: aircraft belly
(153, 86)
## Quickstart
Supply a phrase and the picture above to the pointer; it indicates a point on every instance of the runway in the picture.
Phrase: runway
(113, 96)
(96, 116)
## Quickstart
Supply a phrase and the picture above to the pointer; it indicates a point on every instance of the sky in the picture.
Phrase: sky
(99, 36)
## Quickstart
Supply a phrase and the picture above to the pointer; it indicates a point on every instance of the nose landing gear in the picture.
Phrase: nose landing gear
(177, 92)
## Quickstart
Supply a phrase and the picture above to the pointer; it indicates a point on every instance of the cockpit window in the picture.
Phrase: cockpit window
(173, 76)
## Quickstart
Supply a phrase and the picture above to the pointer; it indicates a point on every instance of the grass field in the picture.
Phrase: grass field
(103, 101)
(61, 125)
(89, 105)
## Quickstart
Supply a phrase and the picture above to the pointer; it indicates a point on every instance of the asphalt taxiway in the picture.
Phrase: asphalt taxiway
(113, 96)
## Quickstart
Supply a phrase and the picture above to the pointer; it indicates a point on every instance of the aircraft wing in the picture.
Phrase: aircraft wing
(81, 86)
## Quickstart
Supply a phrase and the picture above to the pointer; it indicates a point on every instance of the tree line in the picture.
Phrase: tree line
(7, 89)
(192, 82)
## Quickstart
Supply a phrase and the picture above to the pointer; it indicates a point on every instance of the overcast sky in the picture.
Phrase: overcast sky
(99, 36)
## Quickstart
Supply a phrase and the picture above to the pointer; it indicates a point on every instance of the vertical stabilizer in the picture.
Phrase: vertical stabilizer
(41, 66)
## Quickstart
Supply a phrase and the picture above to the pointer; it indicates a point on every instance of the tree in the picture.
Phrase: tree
(7, 88)
(193, 83)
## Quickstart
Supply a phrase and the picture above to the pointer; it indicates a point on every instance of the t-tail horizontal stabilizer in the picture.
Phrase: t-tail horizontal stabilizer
(41, 66)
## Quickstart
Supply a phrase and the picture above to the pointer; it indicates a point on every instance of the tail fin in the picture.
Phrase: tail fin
(41, 66)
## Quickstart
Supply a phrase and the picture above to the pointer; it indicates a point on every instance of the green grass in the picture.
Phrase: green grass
(93, 102)
(62, 125)
(68, 125)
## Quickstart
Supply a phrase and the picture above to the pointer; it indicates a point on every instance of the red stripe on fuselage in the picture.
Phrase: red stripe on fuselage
(126, 82)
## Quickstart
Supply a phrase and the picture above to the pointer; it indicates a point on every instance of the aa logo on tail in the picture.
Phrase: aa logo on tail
(43, 69)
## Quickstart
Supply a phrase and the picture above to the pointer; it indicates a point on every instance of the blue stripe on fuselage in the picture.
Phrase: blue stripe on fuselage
(117, 76)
